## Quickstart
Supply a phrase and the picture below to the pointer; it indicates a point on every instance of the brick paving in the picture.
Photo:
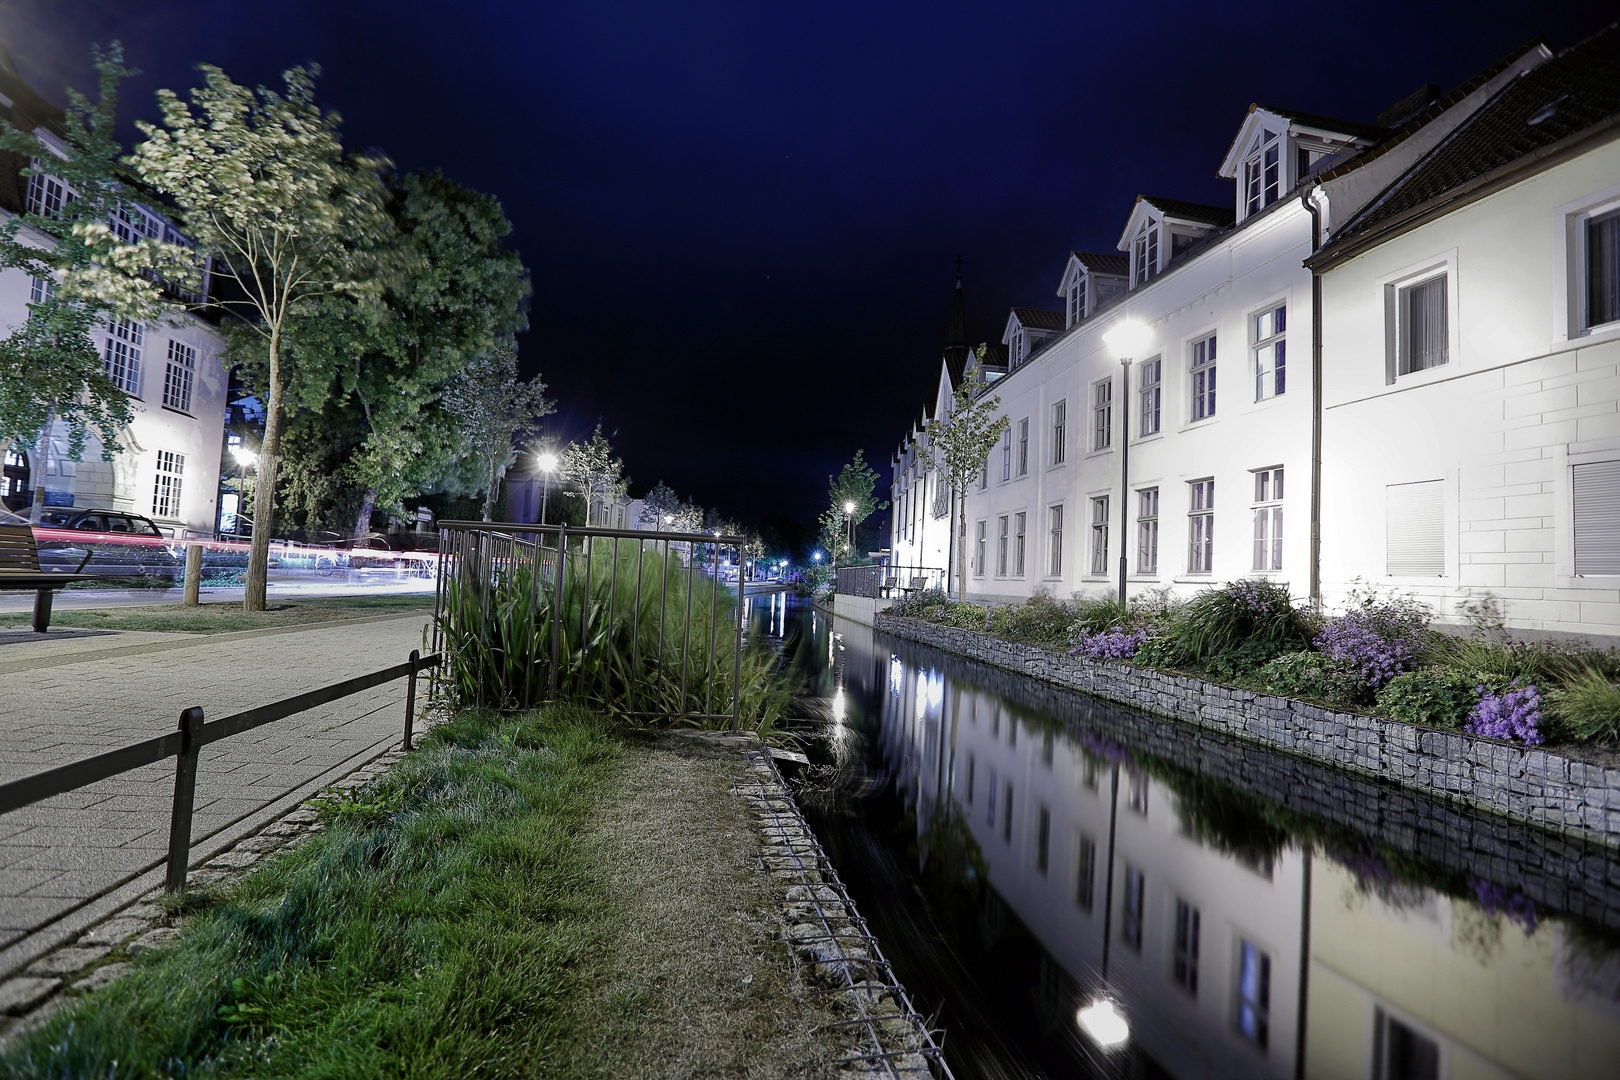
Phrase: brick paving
(72, 695)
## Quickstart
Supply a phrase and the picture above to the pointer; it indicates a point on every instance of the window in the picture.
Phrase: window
(1136, 792)
(1023, 446)
(1201, 527)
(1596, 490)
(1262, 172)
(1006, 454)
(1085, 872)
(1152, 396)
(1268, 519)
(1415, 535)
(1018, 545)
(1253, 993)
(1001, 546)
(1601, 234)
(1147, 531)
(1017, 347)
(984, 475)
(1145, 252)
(166, 487)
(131, 223)
(1006, 813)
(1060, 429)
(1184, 966)
(1102, 415)
(970, 780)
(979, 545)
(1077, 299)
(1400, 1052)
(41, 290)
(1203, 378)
(1270, 354)
(1099, 535)
(1130, 925)
(1043, 839)
(123, 356)
(990, 808)
(1055, 519)
(1421, 340)
(46, 195)
(177, 380)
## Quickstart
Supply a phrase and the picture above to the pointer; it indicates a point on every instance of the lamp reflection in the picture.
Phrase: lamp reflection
(1104, 1023)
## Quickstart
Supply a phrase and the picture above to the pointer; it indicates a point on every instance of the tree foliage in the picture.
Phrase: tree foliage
(494, 411)
(595, 471)
(960, 445)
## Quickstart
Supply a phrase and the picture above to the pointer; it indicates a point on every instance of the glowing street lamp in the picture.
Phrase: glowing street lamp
(849, 516)
(1129, 339)
(546, 461)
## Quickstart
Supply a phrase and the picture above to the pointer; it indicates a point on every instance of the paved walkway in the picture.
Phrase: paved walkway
(75, 693)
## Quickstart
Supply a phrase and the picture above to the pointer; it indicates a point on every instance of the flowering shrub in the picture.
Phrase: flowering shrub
(1313, 675)
(1232, 631)
(1513, 714)
(1357, 639)
(1111, 644)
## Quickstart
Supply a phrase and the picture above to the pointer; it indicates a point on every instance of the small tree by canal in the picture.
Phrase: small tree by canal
(961, 444)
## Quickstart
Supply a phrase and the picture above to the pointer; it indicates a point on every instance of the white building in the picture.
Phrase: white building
(166, 463)
(1219, 406)
(1471, 352)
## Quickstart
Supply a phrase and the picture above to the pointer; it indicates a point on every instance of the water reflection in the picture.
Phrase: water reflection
(1027, 855)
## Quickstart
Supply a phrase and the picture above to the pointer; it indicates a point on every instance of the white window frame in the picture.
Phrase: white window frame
(1054, 540)
(1448, 510)
(1268, 348)
(122, 352)
(1201, 526)
(168, 476)
(1566, 458)
(1077, 298)
(1102, 415)
(1268, 519)
(1261, 1039)
(1569, 243)
(41, 289)
(1144, 253)
(1147, 530)
(1264, 181)
(1099, 535)
(1389, 287)
(46, 194)
(1001, 548)
(1023, 447)
(179, 376)
(1060, 431)
(1020, 541)
(1006, 454)
(1201, 383)
(1151, 396)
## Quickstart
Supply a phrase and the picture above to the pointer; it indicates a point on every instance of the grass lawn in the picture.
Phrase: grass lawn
(222, 616)
(524, 896)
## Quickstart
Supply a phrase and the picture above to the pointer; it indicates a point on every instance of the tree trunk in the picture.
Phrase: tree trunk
(264, 494)
(362, 520)
(42, 458)
(961, 546)
(494, 491)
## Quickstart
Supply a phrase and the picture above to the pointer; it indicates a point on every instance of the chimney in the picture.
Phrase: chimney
(1409, 106)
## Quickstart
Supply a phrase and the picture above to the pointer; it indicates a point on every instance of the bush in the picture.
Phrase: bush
(1515, 713)
(1441, 697)
(1586, 707)
(1099, 614)
(1232, 631)
(1314, 675)
(1115, 644)
(1380, 636)
(1040, 619)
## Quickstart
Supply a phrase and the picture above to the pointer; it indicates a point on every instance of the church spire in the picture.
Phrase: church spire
(956, 337)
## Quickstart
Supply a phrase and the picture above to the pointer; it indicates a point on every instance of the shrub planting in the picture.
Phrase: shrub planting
(1587, 707)
(1233, 630)
(1314, 675)
(1436, 696)
(1515, 713)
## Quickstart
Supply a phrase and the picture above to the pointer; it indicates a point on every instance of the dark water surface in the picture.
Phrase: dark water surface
(1022, 851)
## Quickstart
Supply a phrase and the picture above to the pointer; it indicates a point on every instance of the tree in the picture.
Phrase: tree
(495, 410)
(262, 183)
(592, 467)
(664, 510)
(856, 484)
(960, 445)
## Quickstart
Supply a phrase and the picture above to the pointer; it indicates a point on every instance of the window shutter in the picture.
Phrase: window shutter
(1597, 518)
(1415, 539)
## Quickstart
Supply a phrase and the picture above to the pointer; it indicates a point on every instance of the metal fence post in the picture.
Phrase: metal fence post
(185, 796)
(410, 697)
(556, 611)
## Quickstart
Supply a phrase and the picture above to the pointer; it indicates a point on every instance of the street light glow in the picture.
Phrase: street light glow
(849, 506)
(547, 461)
(1129, 338)
(1104, 1023)
(244, 456)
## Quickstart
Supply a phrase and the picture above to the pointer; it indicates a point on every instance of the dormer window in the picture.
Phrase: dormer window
(1145, 251)
(1017, 347)
(1262, 172)
(1077, 299)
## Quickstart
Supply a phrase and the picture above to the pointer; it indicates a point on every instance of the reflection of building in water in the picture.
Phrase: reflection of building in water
(1204, 948)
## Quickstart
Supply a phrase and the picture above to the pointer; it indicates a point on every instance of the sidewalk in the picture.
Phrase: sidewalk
(73, 694)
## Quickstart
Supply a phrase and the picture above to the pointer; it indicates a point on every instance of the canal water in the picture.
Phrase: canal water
(1029, 857)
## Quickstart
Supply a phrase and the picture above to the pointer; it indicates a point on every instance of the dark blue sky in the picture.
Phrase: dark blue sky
(740, 218)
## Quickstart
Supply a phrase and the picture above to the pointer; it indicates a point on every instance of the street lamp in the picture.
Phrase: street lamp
(546, 461)
(1101, 1019)
(1129, 339)
(849, 516)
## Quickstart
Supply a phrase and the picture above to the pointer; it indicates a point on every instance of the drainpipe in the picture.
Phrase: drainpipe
(1124, 469)
(1316, 401)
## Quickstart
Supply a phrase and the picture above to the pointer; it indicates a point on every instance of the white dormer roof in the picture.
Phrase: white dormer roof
(1345, 134)
(1190, 216)
(1095, 263)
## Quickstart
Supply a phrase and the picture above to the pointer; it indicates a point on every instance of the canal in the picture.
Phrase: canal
(1074, 889)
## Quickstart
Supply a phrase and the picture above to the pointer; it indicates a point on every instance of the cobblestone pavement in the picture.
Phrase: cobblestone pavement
(74, 694)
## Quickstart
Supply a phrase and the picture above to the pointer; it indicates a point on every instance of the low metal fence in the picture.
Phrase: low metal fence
(884, 581)
(631, 621)
(187, 742)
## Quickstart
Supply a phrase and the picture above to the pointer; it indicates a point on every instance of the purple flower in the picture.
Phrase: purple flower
(1515, 713)
(1110, 644)
(1496, 901)
(1378, 657)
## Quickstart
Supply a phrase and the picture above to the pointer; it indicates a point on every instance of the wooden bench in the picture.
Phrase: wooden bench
(19, 570)
(918, 584)
(889, 584)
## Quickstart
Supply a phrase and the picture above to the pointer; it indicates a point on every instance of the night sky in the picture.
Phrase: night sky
(741, 219)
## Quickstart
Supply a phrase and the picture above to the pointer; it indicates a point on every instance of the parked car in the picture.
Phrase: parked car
(122, 545)
(55, 555)
(375, 551)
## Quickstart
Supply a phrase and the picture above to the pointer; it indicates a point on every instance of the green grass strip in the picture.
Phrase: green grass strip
(225, 616)
(436, 928)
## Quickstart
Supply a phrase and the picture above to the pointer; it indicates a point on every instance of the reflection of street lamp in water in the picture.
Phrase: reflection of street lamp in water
(1101, 1019)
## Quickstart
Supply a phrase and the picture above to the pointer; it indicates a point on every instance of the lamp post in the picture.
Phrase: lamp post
(1101, 1019)
(849, 516)
(245, 460)
(546, 461)
(1129, 340)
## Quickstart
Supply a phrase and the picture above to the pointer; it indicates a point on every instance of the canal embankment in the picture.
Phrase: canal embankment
(1553, 789)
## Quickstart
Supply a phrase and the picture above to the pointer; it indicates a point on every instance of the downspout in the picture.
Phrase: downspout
(1316, 401)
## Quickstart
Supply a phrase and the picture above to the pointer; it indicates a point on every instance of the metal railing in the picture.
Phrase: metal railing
(186, 743)
(623, 601)
(884, 581)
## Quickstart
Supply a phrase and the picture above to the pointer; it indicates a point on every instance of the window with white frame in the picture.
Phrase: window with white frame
(984, 475)
(1054, 519)
(1401, 1052)
(131, 223)
(1262, 172)
(171, 468)
(942, 497)
(1017, 347)
(1102, 414)
(46, 194)
(1145, 251)
(1596, 490)
(1001, 546)
(1130, 926)
(122, 358)
(1060, 431)
(1202, 366)
(177, 379)
(1415, 536)
(1151, 395)
(1268, 519)
(1422, 341)
(41, 290)
(1006, 454)
(1099, 535)
(1077, 299)
(1023, 446)
(978, 548)
(1253, 998)
(1147, 531)
(1600, 239)
(1269, 329)
(1201, 526)
(1184, 963)
(1018, 544)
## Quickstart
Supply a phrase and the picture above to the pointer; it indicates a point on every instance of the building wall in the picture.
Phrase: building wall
(1496, 425)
